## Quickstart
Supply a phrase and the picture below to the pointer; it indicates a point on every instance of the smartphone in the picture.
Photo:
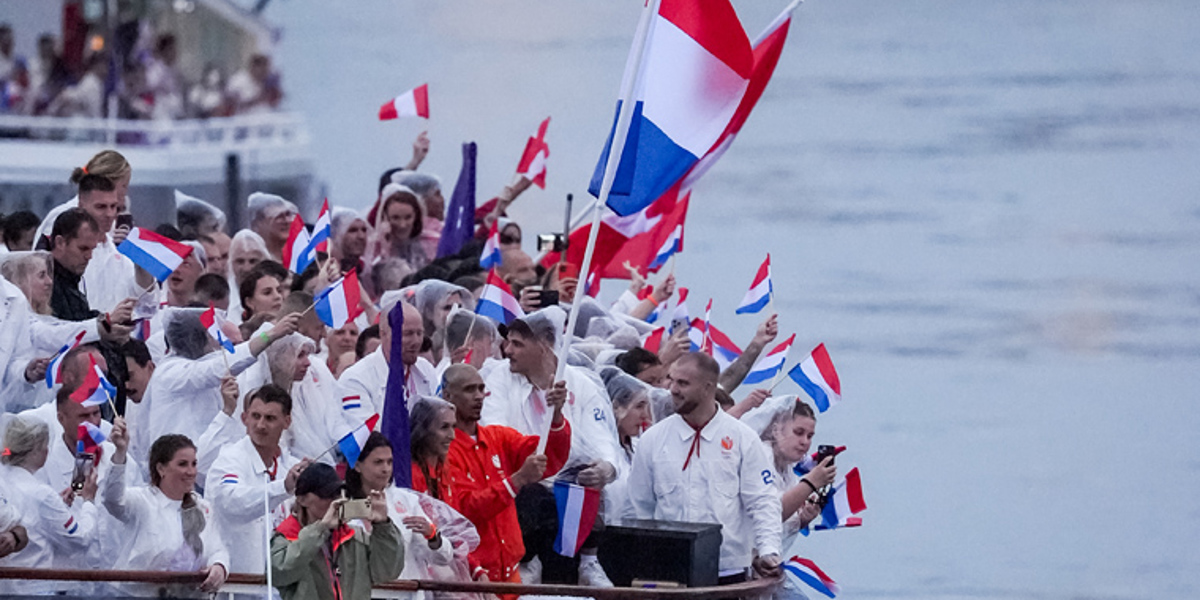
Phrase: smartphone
(547, 298)
(355, 509)
(125, 220)
(567, 271)
(826, 450)
(83, 467)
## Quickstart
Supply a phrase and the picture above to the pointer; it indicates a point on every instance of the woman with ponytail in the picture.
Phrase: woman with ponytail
(108, 164)
(169, 525)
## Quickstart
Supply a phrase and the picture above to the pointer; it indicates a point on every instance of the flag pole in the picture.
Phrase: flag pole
(620, 132)
(267, 535)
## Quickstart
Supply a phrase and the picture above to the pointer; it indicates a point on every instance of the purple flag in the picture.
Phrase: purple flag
(460, 214)
(395, 407)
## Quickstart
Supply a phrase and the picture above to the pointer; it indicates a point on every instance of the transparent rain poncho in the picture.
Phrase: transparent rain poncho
(195, 217)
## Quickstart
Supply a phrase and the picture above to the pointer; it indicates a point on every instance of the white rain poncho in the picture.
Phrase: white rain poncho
(195, 217)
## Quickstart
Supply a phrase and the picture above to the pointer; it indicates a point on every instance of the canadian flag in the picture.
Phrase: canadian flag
(413, 103)
(533, 160)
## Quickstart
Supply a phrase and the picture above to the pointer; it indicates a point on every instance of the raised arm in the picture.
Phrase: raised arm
(732, 377)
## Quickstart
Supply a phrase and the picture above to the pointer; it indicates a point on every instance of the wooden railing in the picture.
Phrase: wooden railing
(237, 580)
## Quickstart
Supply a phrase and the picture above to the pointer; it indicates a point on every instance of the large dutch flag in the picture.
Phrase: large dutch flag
(770, 364)
(695, 69)
(54, 369)
(352, 443)
(577, 508)
(298, 251)
(818, 378)
(490, 256)
(340, 302)
(158, 255)
(760, 291)
(845, 501)
(497, 301)
(807, 571)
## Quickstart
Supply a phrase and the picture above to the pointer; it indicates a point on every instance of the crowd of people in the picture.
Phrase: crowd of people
(141, 73)
(205, 450)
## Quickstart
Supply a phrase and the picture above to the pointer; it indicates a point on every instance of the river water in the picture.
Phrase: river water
(988, 211)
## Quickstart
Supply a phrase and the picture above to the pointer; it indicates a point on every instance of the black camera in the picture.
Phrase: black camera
(551, 242)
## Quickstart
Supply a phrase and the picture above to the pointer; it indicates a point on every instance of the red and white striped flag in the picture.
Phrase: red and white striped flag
(413, 103)
(533, 160)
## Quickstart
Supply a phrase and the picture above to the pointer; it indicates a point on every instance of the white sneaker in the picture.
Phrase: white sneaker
(531, 572)
(592, 574)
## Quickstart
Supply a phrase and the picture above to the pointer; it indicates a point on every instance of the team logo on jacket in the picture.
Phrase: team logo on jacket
(727, 443)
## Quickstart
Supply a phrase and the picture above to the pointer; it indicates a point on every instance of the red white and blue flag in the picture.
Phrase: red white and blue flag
(658, 312)
(654, 340)
(341, 302)
(760, 290)
(577, 509)
(88, 438)
(817, 377)
(158, 255)
(807, 571)
(497, 301)
(322, 230)
(54, 369)
(298, 252)
(720, 347)
(490, 257)
(695, 69)
(533, 159)
(352, 443)
(843, 503)
(673, 244)
(413, 103)
(96, 389)
(212, 324)
(770, 364)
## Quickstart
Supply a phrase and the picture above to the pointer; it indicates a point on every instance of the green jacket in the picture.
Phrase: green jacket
(301, 570)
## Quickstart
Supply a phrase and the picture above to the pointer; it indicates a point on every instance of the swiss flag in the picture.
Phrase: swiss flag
(413, 103)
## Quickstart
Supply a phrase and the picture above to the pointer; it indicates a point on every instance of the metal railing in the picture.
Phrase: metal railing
(241, 583)
(220, 133)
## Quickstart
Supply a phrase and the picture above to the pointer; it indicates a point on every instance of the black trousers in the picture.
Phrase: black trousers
(538, 516)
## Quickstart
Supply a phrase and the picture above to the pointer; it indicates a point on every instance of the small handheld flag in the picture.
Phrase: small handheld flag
(352, 443)
(760, 290)
(844, 501)
(722, 348)
(673, 244)
(96, 389)
(490, 257)
(340, 302)
(497, 301)
(297, 251)
(812, 575)
(654, 340)
(413, 103)
(212, 324)
(88, 438)
(533, 159)
(818, 378)
(54, 369)
(577, 508)
(770, 364)
(322, 230)
(158, 255)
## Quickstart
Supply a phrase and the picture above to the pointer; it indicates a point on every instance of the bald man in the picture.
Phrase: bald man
(363, 384)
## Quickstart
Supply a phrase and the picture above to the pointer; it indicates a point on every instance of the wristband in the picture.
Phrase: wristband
(810, 485)
(433, 533)
(264, 337)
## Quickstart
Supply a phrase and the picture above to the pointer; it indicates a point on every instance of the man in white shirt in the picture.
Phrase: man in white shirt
(363, 384)
(703, 466)
(20, 372)
(250, 472)
(110, 276)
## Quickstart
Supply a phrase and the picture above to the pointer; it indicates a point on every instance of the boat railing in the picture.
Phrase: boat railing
(404, 588)
(218, 133)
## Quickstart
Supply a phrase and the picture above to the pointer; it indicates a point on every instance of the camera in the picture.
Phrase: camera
(551, 242)
(354, 509)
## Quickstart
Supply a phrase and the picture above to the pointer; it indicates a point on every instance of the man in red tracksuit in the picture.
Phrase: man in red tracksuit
(489, 464)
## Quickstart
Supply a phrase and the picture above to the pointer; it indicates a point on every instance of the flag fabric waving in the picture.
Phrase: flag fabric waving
(694, 70)
(807, 571)
(817, 377)
(341, 302)
(212, 324)
(533, 160)
(673, 244)
(322, 230)
(760, 290)
(158, 255)
(96, 389)
(395, 425)
(54, 369)
(413, 103)
(88, 438)
(770, 364)
(459, 226)
(497, 301)
(654, 340)
(577, 508)
(723, 349)
(298, 252)
(490, 257)
(843, 503)
(352, 443)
